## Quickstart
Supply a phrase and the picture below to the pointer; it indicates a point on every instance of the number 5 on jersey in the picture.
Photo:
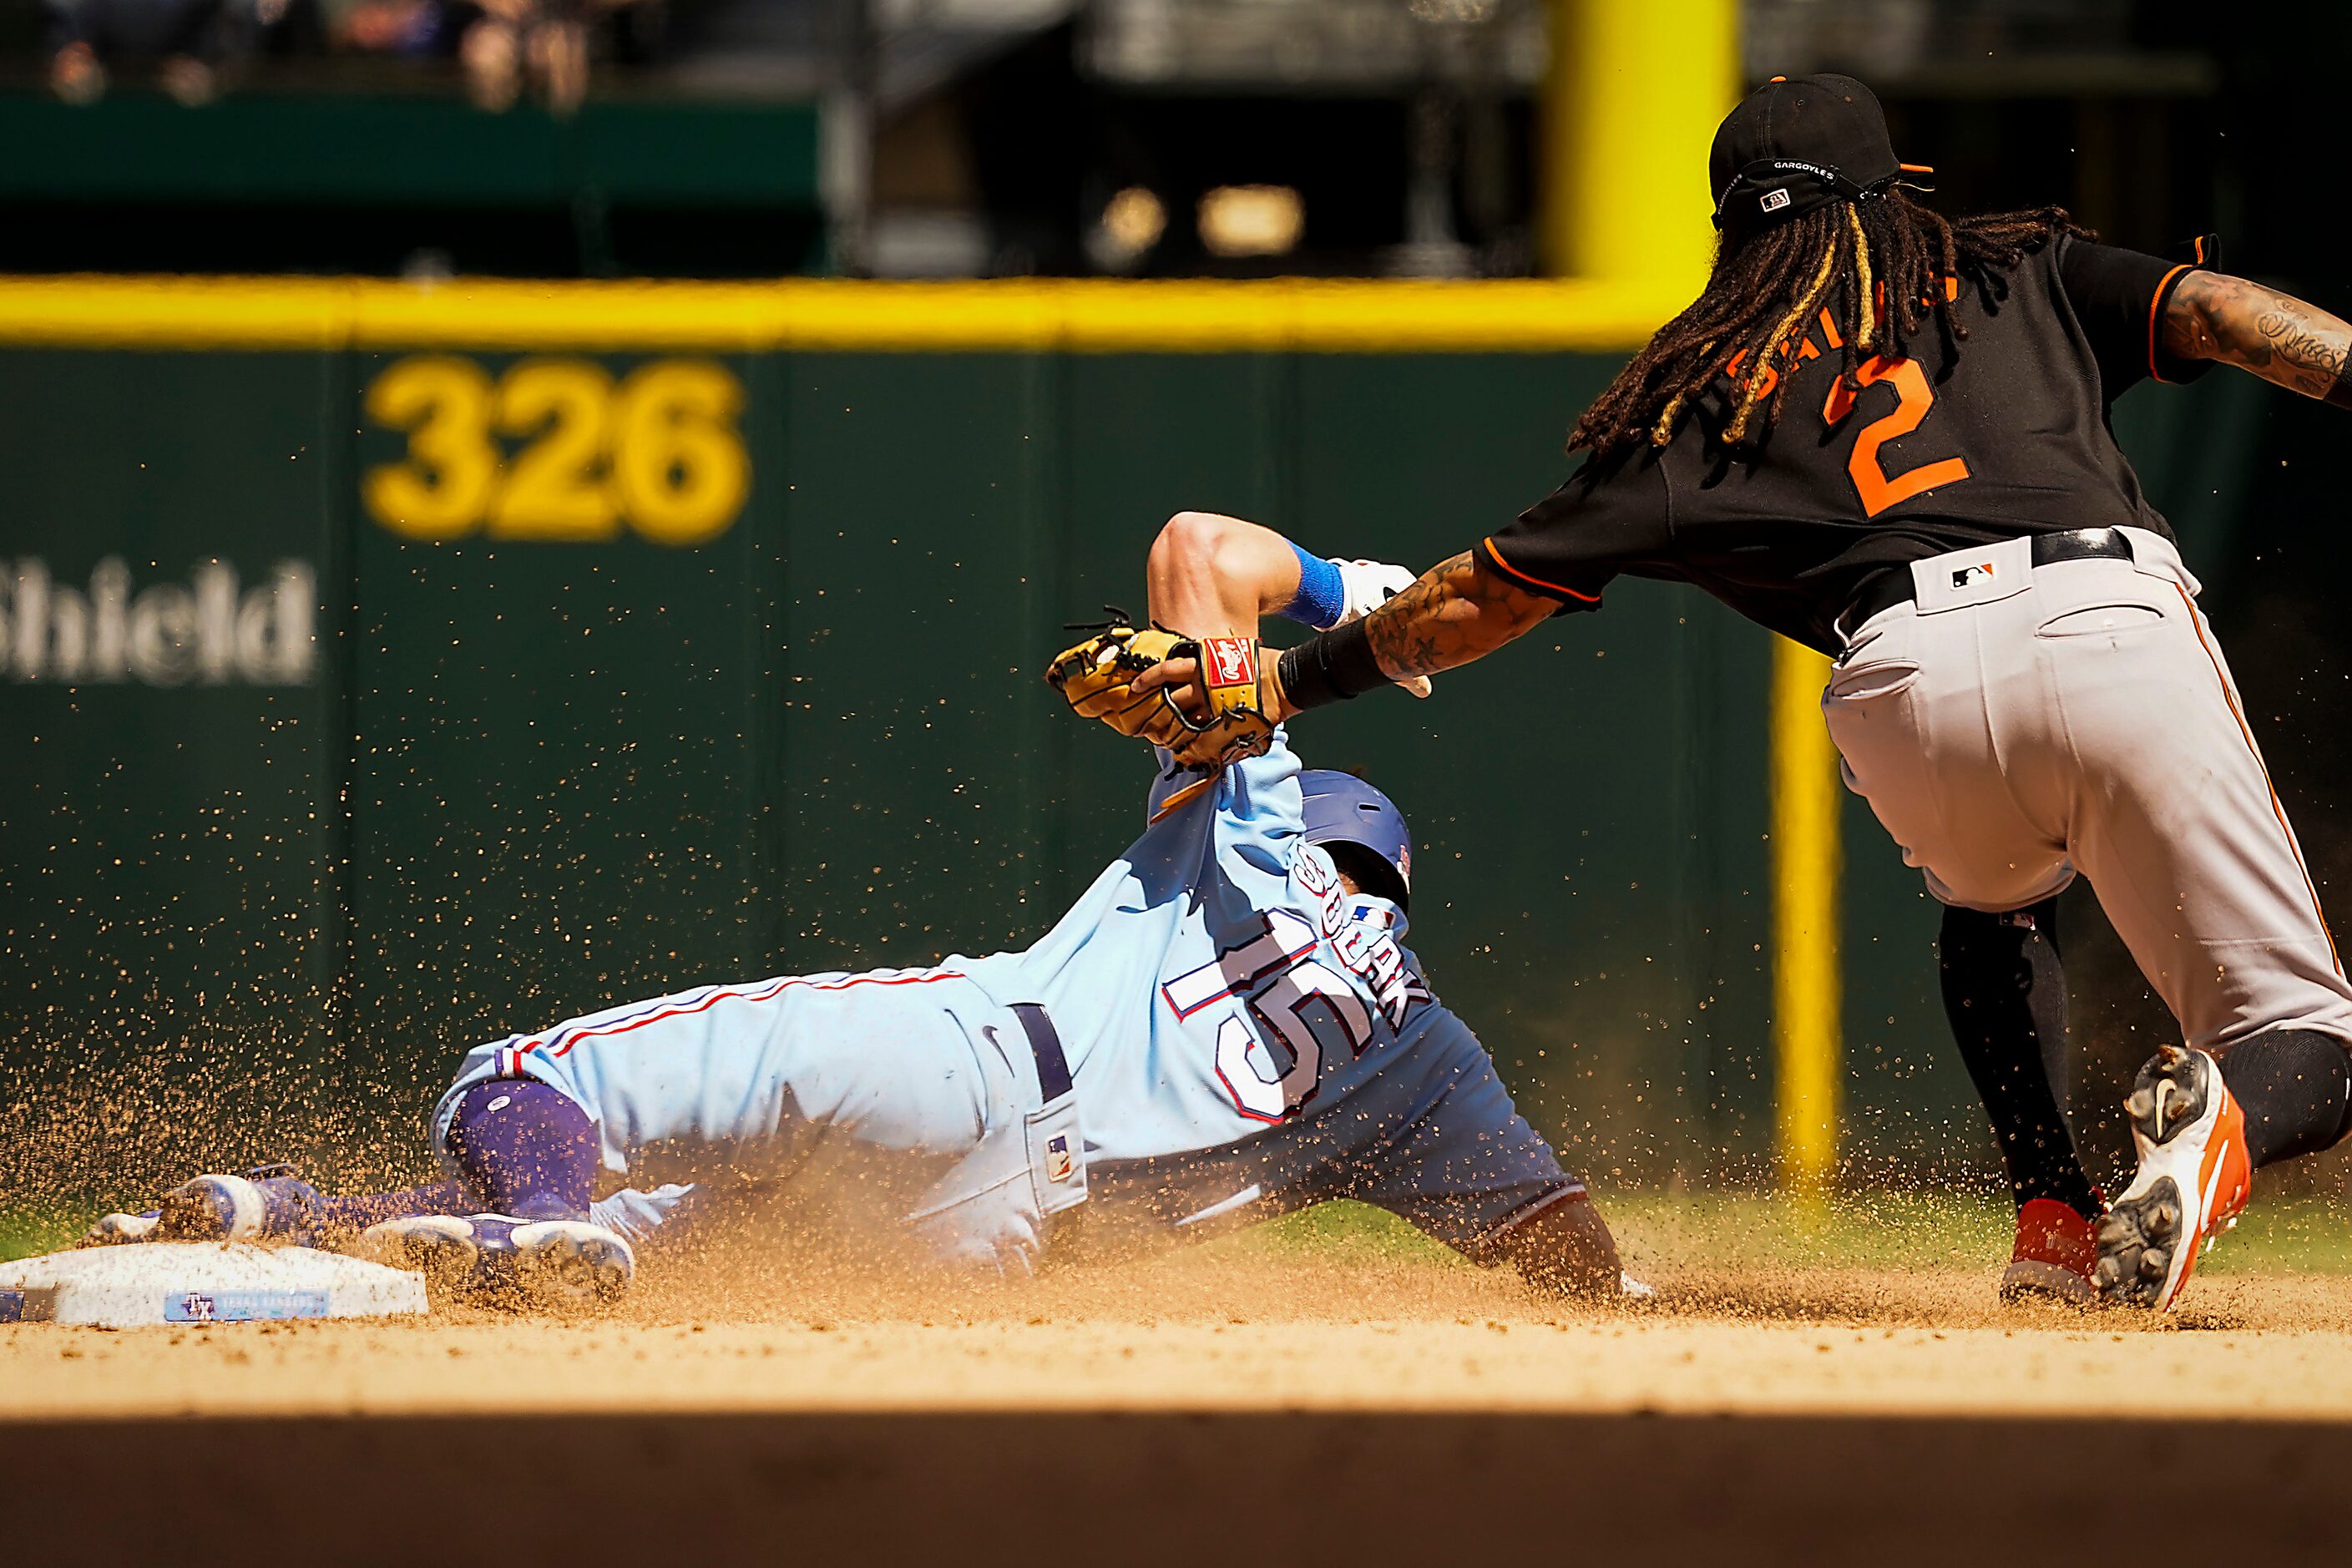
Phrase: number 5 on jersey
(1293, 1007)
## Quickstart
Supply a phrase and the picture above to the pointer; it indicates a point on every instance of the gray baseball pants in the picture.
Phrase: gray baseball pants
(2018, 724)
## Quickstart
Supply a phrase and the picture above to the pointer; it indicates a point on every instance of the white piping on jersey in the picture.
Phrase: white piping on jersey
(563, 1036)
(1240, 1200)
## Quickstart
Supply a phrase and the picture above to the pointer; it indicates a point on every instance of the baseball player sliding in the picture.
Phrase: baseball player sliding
(1886, 436)
(1224, 1027)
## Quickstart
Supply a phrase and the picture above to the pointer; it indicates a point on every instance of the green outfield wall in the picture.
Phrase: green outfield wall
(368, 691)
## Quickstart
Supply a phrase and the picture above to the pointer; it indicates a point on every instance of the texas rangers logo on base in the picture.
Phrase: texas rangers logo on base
(1229, 662)
(1060, 1165)
(1967, 575)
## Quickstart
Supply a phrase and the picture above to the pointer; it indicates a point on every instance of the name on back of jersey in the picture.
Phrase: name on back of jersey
(1284, 938)
(1368, 951)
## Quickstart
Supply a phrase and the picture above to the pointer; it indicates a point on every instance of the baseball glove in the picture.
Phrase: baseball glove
(1097, 678)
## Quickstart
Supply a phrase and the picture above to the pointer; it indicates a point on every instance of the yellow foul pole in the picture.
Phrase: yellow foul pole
(1807, 993)
(1635, 90)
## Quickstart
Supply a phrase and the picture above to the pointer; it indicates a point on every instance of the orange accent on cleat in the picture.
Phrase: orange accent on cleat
(2194, 1178)
(2225, 1180)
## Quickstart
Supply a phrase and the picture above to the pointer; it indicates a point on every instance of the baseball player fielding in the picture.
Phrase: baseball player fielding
(1885, 434)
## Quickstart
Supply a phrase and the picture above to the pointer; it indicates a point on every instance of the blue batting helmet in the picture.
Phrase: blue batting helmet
(1342, 808)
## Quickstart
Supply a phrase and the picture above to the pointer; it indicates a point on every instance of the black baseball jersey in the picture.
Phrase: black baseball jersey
(1937, 452)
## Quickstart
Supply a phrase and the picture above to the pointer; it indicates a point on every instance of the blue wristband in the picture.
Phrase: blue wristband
(1322, 596)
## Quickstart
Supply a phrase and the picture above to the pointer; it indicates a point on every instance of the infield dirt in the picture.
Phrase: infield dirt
(1343, 1395)
(1242, 1330)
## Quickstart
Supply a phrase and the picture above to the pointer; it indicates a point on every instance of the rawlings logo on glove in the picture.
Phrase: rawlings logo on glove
(1227, 662)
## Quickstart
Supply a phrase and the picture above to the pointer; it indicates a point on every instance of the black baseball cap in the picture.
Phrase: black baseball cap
(1798, 143)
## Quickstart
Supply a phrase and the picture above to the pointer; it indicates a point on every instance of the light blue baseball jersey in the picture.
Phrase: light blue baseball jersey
(1247, 1037)
(1243, 1035)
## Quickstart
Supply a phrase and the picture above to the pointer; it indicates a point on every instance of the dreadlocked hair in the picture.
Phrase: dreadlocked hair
(1877, 267)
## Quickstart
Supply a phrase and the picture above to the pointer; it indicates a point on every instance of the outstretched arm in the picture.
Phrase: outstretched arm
(1456, 613)
(1211, 576)
(2278, 337)
(1567, 1250)
(1214, 576)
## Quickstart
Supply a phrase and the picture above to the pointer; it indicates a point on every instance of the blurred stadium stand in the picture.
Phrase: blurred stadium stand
(977, 137)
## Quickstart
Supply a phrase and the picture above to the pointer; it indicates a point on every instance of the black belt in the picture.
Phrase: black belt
(1053, 1067)
(1895, 585)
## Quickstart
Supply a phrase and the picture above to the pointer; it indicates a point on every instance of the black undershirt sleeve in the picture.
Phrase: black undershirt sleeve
(2119, 297)
(1610, 516)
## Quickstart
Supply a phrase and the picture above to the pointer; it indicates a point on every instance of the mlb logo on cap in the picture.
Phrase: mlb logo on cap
(1775, 200)
(1060, 1165)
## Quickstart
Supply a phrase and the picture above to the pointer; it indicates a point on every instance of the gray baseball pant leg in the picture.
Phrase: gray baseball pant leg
(2014, 725)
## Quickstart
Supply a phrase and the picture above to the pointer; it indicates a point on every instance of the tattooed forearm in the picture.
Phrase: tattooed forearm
(2278, 337)
(1457, 612)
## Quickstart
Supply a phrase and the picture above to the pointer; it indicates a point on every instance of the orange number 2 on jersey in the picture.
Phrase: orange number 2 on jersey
(1878, 488)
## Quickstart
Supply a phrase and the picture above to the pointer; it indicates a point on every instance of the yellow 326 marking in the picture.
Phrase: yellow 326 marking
(661, 450)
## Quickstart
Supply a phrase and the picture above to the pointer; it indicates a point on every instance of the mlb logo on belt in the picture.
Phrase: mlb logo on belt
(1967, 575)
(1059, 1164)
(1228, 661)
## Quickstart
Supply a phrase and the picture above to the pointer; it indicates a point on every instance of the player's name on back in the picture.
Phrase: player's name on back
(207, 630)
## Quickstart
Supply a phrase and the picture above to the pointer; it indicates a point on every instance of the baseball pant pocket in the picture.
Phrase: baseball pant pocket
(2101, 620)
(1863, 683)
